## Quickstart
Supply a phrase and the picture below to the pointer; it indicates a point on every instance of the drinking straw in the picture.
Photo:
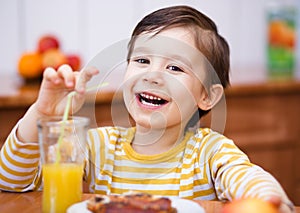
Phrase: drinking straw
(66, 115)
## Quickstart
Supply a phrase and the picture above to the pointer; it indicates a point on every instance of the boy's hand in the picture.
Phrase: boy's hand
(55, 87)
(52, 98)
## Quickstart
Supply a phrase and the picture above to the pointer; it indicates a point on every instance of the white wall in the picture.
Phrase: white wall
(88, 26)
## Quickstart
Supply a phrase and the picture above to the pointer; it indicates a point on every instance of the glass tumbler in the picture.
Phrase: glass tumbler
(63, 151)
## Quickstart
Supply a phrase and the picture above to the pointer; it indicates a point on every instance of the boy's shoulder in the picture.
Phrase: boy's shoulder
(208, 132)
(210, 142)
(208, 135)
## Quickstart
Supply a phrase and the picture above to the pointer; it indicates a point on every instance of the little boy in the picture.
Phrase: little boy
(177, 69)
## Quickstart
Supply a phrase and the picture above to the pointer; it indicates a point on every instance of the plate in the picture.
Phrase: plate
(182, 206)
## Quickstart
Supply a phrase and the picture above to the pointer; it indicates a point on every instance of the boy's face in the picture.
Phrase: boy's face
(162, 85)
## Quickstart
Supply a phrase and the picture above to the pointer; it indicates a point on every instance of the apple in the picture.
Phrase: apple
(48, 42)
(74, 61)
(249, 205)
(53, 58)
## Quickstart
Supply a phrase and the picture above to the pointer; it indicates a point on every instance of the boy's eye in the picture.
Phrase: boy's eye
(142, 61)
(174, 68)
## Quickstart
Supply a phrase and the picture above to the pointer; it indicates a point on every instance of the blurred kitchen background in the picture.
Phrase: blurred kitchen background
(87, 26)
(263, 107)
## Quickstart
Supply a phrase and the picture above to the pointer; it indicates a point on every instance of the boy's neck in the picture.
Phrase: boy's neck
(154, 141)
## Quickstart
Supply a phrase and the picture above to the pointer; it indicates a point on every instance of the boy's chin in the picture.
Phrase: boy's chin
(150, 125)
(146, 124)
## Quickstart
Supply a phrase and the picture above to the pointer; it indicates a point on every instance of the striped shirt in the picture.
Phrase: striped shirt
(205, 165)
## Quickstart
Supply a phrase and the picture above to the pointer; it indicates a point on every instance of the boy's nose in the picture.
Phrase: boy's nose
(153, 77)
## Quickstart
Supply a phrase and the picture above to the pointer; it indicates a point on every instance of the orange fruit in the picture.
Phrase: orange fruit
(30, 65)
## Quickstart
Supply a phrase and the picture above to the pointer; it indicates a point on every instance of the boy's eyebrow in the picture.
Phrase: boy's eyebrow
(143, 50)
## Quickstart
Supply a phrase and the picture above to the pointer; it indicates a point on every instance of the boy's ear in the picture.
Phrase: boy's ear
(210, 98)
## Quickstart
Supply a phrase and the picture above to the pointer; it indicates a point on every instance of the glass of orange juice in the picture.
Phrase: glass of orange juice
(63, 151)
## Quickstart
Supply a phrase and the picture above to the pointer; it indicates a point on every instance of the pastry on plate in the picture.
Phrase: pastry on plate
(135, 202)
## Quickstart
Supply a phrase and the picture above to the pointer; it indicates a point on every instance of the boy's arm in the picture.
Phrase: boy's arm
(29, 120)
(19, 159)
(236, 177)
(19, 165)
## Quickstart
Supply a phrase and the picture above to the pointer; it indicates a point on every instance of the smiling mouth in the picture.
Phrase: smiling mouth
(151, 100)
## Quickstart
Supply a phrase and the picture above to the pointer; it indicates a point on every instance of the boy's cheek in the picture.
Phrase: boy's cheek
(133, 73)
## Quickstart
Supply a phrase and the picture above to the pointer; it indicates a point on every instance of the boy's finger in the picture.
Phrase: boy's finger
(50, 74)
(66, 73)
(84, 77)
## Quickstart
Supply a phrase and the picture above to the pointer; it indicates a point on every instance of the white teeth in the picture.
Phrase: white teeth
(149, 104)
(150, 97)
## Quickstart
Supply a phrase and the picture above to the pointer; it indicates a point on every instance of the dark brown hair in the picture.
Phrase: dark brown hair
(212, 45)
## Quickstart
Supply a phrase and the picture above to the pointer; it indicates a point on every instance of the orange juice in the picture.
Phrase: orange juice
(62, 186)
